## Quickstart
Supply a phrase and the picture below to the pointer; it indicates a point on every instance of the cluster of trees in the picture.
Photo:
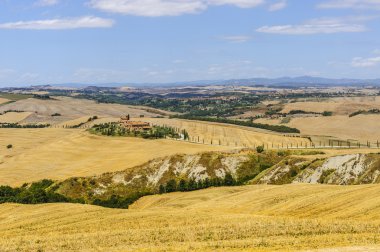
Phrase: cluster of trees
(298, 111)
(36, 193)
(191, 185)
(56, 114)
(116, 201)
(276, 128)
(42, 97)
(23, 126)
(156, 132)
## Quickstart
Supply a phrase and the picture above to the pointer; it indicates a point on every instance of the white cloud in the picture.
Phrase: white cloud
(278, 6)
(46, 2)
(60, 24)
(311, 29)
(157, 8)
(365, 62)
(236, 39)
(321, 26)
(238, 3)
(350, 4)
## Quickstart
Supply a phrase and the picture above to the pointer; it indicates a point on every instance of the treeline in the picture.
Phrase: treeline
(276, 128)
(23, 126)
(11, 110)
(156, 132)
(36, 193)
(191, 185)
(116, 201)
(83, 123)
(42, 97)
(371, 111)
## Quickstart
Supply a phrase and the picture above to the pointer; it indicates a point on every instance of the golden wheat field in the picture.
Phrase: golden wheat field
(58, 153)
(248, 218)
(229, 134)
(339, 106)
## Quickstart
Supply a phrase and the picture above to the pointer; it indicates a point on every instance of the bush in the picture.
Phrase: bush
(171, 186)
(260, 149)
(327, 113)
(9, 146)
(229, 180)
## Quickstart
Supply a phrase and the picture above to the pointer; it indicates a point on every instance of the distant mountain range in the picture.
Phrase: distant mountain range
(302, 81)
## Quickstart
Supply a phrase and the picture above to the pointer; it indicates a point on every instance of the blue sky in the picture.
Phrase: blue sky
(138, 41)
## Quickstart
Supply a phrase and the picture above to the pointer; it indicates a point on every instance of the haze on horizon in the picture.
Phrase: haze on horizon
(158, 41)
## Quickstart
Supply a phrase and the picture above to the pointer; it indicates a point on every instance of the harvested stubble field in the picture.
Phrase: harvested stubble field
(3, 100)
(70, 109)
(13, 117)
(360, 127)
(339, 106)
(229, 134)
(58, 153)
(249, 218)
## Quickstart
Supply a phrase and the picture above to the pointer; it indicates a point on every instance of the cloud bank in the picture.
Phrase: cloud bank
(60, 24)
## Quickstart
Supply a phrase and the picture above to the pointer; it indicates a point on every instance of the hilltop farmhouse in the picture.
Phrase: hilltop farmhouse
(134, 125)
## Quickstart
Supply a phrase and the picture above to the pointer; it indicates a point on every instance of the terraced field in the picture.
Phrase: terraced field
(249, 218)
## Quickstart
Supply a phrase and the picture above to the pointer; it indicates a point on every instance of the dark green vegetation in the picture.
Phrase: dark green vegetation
(35, 193)
(23, 126)
(365, 112)
(9, 146)
(185, 185)
(42, 97)
(15, 97)
(327, 113)
(156, 132)
(56, 114)
(276, 128)
(296, 112)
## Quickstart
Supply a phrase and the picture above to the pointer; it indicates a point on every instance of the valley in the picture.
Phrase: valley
(225, 182)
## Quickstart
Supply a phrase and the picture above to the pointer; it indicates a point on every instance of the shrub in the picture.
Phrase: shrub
(171, 186)
(9, 146)
(327, 113)
(260, 149)
(229, 180)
